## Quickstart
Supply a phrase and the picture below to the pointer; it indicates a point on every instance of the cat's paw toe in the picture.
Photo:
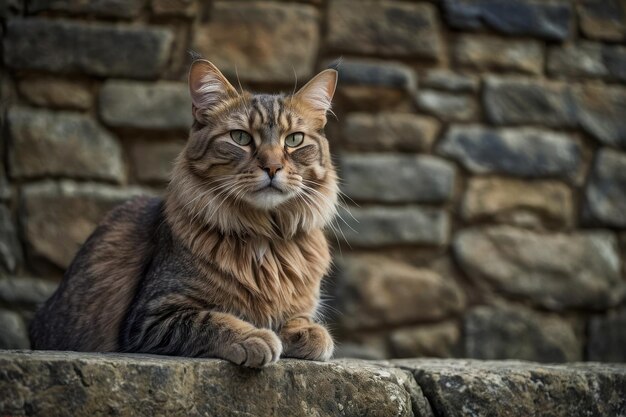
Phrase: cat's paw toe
(312, 342)
(258, 349)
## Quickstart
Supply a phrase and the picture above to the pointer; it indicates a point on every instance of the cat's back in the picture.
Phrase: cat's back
(86, 311)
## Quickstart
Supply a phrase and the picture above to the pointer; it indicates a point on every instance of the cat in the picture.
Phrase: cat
(229, 263)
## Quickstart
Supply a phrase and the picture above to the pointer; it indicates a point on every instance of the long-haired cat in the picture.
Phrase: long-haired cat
(229, 263)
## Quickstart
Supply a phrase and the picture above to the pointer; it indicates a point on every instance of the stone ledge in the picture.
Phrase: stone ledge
(69, 383)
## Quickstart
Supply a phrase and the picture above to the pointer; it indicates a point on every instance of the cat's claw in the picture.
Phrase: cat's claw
(259, 348)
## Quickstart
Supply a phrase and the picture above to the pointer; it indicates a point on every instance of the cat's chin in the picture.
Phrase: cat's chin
(268, 198)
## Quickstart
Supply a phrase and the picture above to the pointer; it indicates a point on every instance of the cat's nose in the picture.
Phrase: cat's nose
(272, 169)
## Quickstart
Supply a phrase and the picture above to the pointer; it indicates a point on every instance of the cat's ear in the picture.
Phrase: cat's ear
(208, 86)
(318, 93)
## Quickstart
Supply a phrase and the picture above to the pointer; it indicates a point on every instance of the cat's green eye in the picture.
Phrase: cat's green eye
(295, 139)
(241, 137)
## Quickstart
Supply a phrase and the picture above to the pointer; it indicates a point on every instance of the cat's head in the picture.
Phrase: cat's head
(253, 157)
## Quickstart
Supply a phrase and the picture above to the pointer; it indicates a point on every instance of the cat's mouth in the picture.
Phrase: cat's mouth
(270, 188)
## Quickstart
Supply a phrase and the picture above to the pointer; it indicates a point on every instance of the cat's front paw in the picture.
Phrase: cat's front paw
(258, 348)
(309, 341)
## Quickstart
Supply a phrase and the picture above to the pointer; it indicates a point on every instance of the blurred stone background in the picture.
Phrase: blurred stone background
(482, 146)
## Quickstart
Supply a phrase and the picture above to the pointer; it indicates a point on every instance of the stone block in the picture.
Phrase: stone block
(10, 247)
(555, 271)
(448, 106)
(20, 291)
(389, 132)
(163, 105)
(485, 52)
(13, 331)
(588, 59)
(519, 333)
(390, 28)
(261, 41)
(534, 204)
(58, 93)
(64, 144)
(607, 337)
(521, 152)
(153, 161)
(106, 8)
(446, 80)
(605, 194)
(373, 291)
(440, 340)
(601, 112)
(100, 49)
(603, 19)
(397, 178)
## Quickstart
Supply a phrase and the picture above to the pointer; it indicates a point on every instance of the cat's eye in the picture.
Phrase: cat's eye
(241, 137)
(295, 139)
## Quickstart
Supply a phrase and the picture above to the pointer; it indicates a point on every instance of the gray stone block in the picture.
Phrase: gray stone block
(605, 194)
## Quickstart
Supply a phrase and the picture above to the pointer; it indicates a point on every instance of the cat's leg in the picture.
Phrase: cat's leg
(304, 339)
(202, 333)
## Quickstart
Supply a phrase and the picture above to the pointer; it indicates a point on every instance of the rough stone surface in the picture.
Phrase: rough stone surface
(13, 334)
(395, 178)
(374, 73)
(603, 19)
(513, 101)
(439, 340)
(10, 249)
(484, 52)
(605, 195)
(62, 144)
(461, 388)
(164, 105)
(379, 226)
(548, 20)
(100, 49)
(162, 386)
(607, 338)
(390, 28)
(512, 201)
(56, 93)
(374, 291)
(389, 132)
(555, 271)
(256, 39)
(588, 59)
(25, 290)
(105, 8)
(59, 216)
(447, 106)
(183, 8)
(601, 113)
(447, 80)
(153, 162)
(522, 152)
(489, 331)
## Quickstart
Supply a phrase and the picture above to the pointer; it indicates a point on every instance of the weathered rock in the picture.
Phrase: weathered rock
(448, 106)
(100, 49)
(515, 100)
(484, 52)
(461, 388)
(521, 152)
(607, 337)
(601, 113)
(439, 340)
(555, 271)
(450, 81)
(390, 28)
(36, 383)
(397, 178)
(379, 226)
(374, 291)
(603, 19)
(605, 195)
(588, 59)
(389, 132)
(548, 20)
(13, 334)
(11, 8)
(59, 216)
(162, 105)
(519, 333)
(5, 188)
(184, 8)
(255, 40)
(57, 93)
(10, 249)
(62, 144)
(524, 203)
(153, 161)
(105, 8)
(25, 290)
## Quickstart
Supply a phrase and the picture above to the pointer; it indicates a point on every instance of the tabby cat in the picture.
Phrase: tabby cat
(229, 263)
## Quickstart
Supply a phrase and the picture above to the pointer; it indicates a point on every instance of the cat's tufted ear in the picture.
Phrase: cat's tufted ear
(318, 93)
(208, 86)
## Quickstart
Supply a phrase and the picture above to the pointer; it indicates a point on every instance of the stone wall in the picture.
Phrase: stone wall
(482, 147)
